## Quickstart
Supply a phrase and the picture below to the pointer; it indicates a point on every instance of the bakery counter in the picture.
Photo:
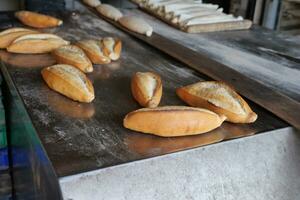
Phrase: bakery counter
(64, 139)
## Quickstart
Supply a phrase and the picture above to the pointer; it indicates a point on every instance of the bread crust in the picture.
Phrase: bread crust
(9, 35)
(188, 95)
(171, 121)
(74, 85)
(94, 50)
(115, 52)
(73, 55)
(36, 43)
(140, 88)
(37, 20)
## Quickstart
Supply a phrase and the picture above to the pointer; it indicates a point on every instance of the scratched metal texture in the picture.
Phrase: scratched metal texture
(82, 137)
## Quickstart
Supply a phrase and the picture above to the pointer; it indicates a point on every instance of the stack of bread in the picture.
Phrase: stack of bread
(187, 13)
(73, 61)
(213, 102)
(132, 23)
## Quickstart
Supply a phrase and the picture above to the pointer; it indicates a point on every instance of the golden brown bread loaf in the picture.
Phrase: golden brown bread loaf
(69, 81)
(94, 50)
(146, 88)
(73, 55)
(170, 121)
(112, 47)
(37, 20)
(218, 97)
(9, 35)
(36, 43)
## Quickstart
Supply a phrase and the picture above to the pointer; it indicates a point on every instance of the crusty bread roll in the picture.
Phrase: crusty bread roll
(109, 12)
(172, 121)
(37, 20)
(92, 3)
(73, 55)
(9, 35)
(220, 98)
(136, 24)
(36, 43)
(146, 88)
(94, 50)
(112, 47)
(69, 81)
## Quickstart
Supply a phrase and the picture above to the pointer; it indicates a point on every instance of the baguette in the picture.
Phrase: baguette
(92, 3)
(37, 20)
(36, 43)
(9, 35)
(69, 81)
(109, 12)
(136, 24)
(220, 98)
(146, 89)
(73, 55)
(94, 50)
(112, 47)
(170, 121)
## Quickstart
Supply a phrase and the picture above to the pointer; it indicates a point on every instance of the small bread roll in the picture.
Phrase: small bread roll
(37, 20)
(73, 55)
(146, 88)
(136, 24)
(109, 12)
(69, 81)
(94, 50)
(112, 47)
(9, 35)
(170, 121)
(220, 98)
(36, 43)
(92, 3)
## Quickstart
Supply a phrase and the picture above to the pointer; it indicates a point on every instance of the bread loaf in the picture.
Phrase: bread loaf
(172, 121)
(109, 12)
(73, 55)
(9, 35)
(36, 43)
(37, 20)
(92, 3)
(69, 81)
(220, 98)
(146, 88)
(94, 50)
(137, 25)
(112, 47)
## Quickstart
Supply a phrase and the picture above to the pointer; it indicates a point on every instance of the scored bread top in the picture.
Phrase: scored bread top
(147, 82)
(71, 51)
(92, 45)
(73, 75)
(13, 30)
(109, 43)
(218, 94)
(39, 36)
(176, 108)
(136, 24)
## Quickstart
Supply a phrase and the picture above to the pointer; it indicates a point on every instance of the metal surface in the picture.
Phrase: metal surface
(264, 166)
(279, 104)
(82, 137)
(32, 174)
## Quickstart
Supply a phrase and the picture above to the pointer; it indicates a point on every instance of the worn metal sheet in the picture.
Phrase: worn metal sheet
(82, 137)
